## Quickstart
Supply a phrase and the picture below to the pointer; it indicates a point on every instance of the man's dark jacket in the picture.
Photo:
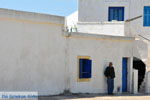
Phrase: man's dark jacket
(110, 72)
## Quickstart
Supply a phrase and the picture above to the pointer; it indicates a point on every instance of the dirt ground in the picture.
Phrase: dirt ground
(97, 97)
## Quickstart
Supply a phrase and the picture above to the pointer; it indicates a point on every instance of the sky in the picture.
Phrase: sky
(54, 7)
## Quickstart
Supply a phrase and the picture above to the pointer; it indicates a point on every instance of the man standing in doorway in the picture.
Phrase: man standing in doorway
(110, 74)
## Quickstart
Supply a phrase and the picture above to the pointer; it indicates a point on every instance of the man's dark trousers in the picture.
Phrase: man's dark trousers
(110, 84)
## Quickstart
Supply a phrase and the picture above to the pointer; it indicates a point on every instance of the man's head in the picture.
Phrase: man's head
(110, 64)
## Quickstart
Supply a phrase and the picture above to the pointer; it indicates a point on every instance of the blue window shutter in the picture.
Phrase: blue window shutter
(147, 16)
(85, 68)
(121, 14)
(80, 68)
(116, 13)
(89, 68)
(111, 14)
(115, 16)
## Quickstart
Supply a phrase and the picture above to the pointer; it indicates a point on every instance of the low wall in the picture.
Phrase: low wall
(105, 28)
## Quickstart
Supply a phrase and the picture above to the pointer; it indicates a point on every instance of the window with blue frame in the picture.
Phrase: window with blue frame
(85, 68)
(147, 16)
(116, 13)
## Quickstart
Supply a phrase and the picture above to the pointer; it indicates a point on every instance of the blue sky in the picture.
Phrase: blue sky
(55, 7)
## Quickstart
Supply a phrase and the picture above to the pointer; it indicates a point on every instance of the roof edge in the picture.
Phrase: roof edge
(77, 34)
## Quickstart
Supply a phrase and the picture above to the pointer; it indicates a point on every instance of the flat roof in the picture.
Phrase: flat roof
(15, 14)
(98, 36)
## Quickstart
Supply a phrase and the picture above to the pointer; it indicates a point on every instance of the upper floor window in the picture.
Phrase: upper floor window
(147, 16)
(116, 13)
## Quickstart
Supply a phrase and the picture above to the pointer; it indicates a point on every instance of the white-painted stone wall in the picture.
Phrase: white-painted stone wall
(72, 20)
(93, 18)
(32, 54)
(141, 50)
(137, 9)
(35, 55)
(135, 81)
(102, 50)
(103, 28)
(148, 82)
(97, 11)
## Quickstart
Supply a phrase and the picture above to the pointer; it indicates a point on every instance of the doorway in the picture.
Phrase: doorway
(141, 67)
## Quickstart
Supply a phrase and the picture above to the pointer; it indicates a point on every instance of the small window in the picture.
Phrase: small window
(147, 16)
(116, 13)
(85, 68)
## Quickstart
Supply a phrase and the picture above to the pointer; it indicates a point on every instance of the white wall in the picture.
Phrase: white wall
(105, 28)
(141, 50)
(72, 20)
(97, 10)
(35, 56)
(137, 9)
(31, 55)
(102, 50)
(136, 27)
(135, 81)
(147, 83)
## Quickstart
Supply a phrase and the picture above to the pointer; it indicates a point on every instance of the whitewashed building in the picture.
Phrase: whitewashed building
(38, 54)
(98, 14)
(119, 18)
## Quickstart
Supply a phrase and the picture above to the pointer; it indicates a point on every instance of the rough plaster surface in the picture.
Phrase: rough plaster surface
(35, 56)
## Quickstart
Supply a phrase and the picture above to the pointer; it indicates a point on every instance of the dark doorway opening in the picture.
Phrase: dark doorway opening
(141, 67)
